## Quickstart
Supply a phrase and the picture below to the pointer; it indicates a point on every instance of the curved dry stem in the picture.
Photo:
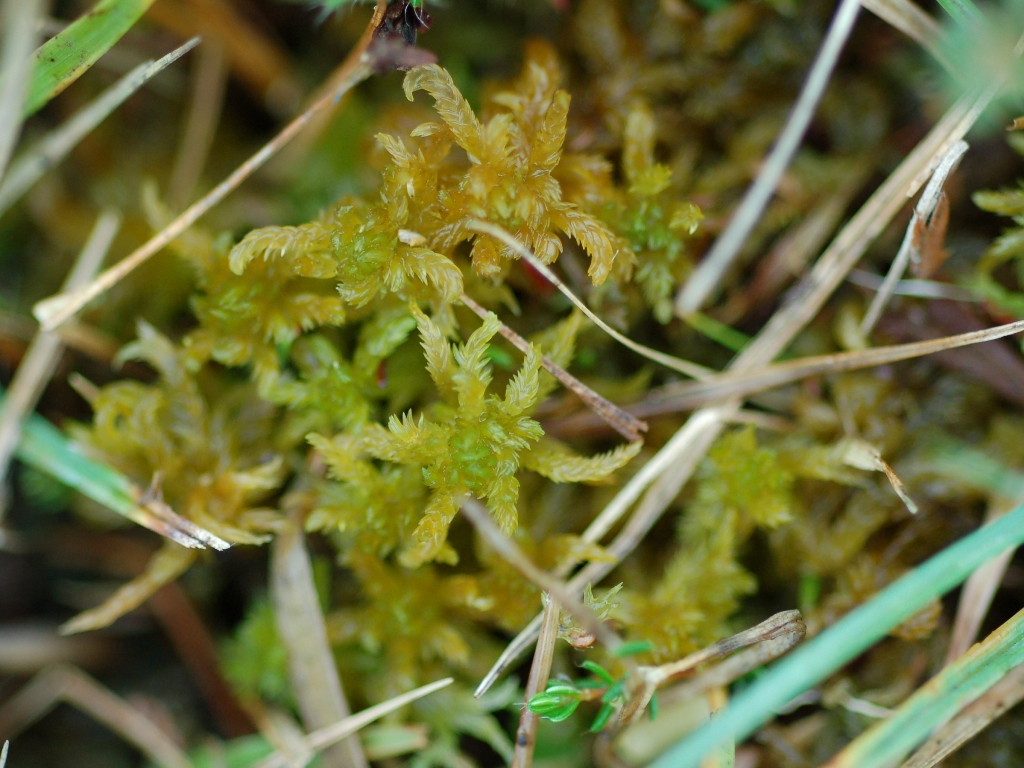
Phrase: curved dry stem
(909, 249)
(693, 370)
(622, 422)
(514, 556)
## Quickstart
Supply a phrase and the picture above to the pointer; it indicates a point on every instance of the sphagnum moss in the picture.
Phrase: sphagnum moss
(332, 369)
(391, 492)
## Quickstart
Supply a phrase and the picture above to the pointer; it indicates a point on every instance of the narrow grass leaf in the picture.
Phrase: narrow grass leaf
(63, 58)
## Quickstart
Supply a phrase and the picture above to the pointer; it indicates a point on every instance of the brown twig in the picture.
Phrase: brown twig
(767, 649)
(584, 423)
(688, 395)
(911, 248)
(53, 311)
(184, 627)
(773, 637)
(998, 365)
(623, 423)
(685, 367)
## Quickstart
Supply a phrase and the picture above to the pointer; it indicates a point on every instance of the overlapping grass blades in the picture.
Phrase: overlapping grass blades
(855, 633)
(942, 697)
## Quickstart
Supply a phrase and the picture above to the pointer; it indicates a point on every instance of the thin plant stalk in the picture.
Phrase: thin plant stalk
(921, 289)
(18, 20)
(514, 556)
(908, 252)
(540, 671)
(622, 422)
(209, 82)
(789, 257)
(280, 730)
(40, 360)
(709, 273)
(688, 446)
(775, 635)
(62, 683)
(685, 367)
(45, 448)
(694, 394)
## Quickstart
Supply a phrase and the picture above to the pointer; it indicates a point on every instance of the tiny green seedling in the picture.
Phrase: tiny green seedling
(563, 696)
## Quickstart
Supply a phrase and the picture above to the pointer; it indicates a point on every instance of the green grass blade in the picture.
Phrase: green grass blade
(243, 752)
(946, 694)
(61, 60)
(44, 448)
(848, 638)
(717, 331)
(963, 12)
